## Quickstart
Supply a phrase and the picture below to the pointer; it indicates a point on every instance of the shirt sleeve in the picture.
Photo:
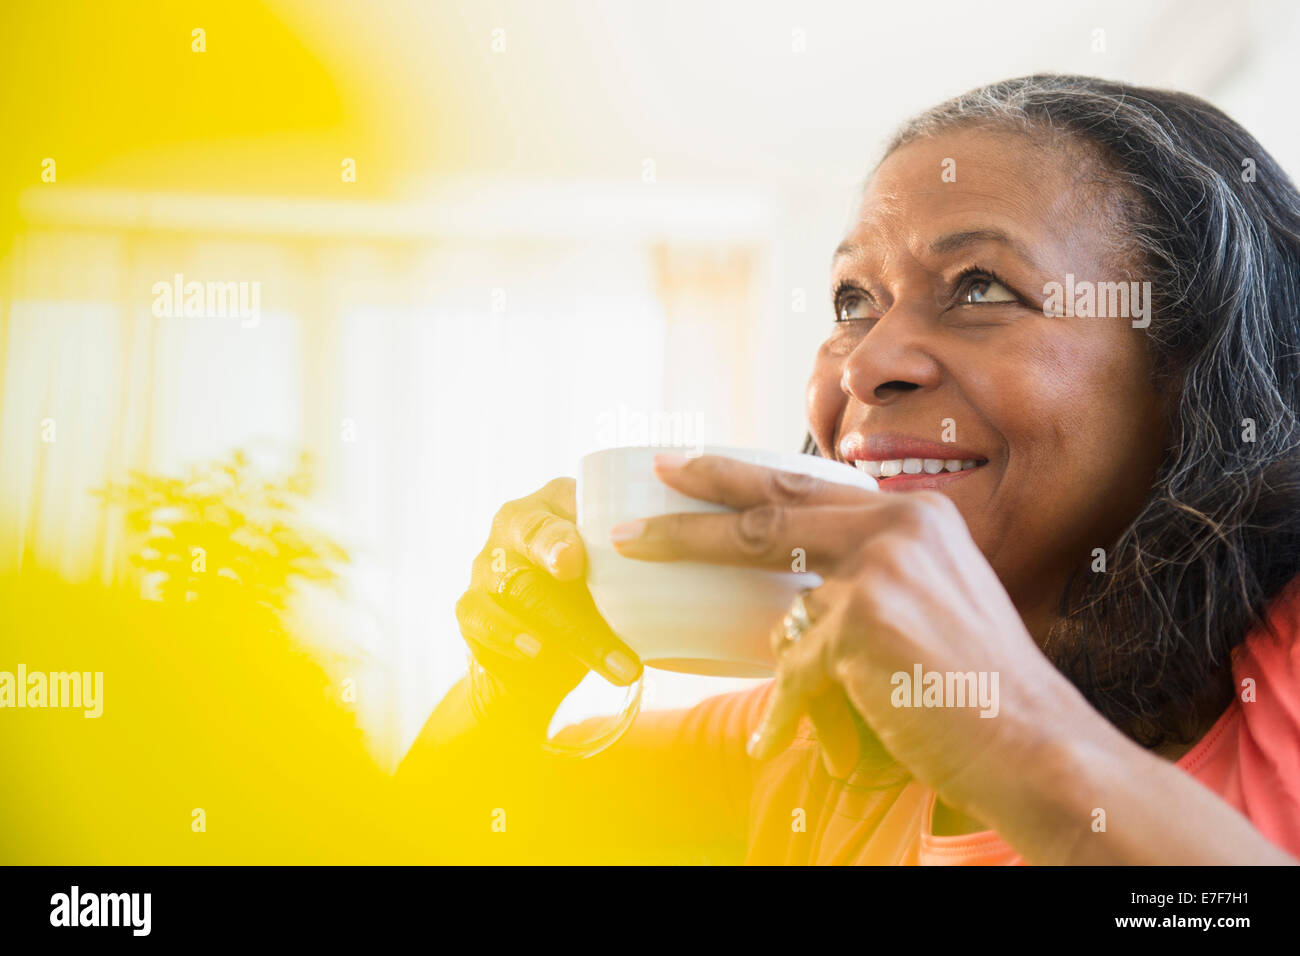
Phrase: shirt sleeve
(1258, 768)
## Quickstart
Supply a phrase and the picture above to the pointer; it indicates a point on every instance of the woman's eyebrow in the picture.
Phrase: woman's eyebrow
(970, 237)
(954, 241)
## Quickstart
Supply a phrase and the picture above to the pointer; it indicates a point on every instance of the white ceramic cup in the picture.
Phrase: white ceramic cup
(685, 616)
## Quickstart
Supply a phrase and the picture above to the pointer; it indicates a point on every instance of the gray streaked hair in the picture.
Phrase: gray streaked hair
(1214, 222)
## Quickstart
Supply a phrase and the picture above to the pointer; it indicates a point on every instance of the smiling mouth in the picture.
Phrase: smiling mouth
(910, 468)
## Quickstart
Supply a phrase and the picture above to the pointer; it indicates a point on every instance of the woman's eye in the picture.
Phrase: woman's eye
(851, 307)
(981, 290)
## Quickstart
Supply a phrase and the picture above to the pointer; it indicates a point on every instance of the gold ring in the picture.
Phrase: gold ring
(509, 575)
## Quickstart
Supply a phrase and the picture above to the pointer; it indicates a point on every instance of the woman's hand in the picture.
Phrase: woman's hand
(527, 615)
(905, 587)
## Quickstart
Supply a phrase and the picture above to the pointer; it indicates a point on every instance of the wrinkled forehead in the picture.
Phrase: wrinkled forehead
(1042, 192)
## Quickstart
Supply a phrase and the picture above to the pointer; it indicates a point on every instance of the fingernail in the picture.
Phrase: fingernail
(527, 644)
(620, 665)
(557, 553)
(670, 459)
(628, 531)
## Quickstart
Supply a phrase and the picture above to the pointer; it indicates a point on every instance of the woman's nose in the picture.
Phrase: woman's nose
(894, 358)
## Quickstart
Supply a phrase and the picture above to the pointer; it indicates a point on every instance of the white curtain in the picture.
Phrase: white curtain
(430, 381)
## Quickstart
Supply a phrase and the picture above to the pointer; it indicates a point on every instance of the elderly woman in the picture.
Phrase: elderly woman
(1067, 340)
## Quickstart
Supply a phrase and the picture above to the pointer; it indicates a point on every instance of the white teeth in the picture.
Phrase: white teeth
(913, 466)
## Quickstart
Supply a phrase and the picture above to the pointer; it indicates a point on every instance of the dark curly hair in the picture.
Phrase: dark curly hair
(1215, 223)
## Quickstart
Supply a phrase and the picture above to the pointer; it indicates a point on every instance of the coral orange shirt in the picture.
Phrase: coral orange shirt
(1250, 757)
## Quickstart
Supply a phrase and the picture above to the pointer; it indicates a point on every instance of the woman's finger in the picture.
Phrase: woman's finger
(496, 628)
(536, 666)
(740, 485)
(768, 536)
(560, 495)
(800, 679)
(562, 615)
(548, 541)
(837, 732)
(514, 653)
(568, 615)
(541, 527)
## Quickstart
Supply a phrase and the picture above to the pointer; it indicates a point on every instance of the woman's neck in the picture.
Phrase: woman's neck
(1176, 750)
(1039, 621)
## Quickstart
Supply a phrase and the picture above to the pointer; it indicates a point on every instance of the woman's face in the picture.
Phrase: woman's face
(941, 351)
